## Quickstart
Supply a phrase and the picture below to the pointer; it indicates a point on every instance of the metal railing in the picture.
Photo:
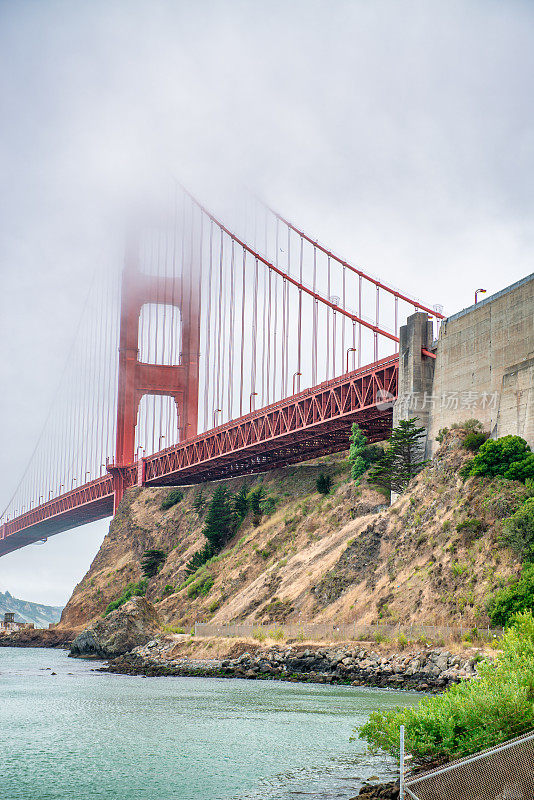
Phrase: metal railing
(353, 631)
(504, 772)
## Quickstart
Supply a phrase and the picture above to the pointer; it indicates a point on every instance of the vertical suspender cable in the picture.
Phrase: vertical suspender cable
(208, 330)
(231, 333)
(242, 333)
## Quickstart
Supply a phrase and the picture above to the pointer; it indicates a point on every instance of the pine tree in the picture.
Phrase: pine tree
(199, 558)
(402, 458)
(220, 520)
(151, 561)
(255, 497)
(240, 503)
(199, 502)
(323, 484)
(358, 443)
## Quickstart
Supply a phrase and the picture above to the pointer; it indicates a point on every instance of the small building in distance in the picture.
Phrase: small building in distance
(9, 624)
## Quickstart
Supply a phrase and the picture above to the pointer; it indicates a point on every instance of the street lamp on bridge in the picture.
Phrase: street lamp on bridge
(350, 350)
(479, 291)
(252, 394)
(215, 412)
(297, 374)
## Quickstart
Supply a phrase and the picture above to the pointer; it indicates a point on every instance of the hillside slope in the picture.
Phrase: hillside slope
(342, 557)
(26, 611)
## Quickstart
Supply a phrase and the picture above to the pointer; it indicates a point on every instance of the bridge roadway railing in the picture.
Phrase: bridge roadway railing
(86, 503)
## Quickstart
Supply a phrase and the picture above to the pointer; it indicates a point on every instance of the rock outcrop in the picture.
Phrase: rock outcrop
(132, 625)
(422, 670)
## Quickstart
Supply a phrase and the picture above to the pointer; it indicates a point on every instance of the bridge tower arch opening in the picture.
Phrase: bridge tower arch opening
(142, 368)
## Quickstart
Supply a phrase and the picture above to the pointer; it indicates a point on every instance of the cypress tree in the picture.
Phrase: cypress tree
(402, 458)
(240, 503)
(220, 519)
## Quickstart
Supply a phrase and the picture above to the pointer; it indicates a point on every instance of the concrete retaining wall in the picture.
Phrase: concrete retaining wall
(484, 368)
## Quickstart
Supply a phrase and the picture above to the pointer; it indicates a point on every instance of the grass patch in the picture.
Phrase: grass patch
(132, 590)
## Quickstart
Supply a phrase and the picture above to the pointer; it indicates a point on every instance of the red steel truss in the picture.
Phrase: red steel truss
(309, 424)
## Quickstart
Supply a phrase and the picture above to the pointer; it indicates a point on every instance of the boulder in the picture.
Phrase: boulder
(132, 625)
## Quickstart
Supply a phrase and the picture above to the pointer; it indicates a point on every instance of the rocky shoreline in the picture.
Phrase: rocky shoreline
(420, 670)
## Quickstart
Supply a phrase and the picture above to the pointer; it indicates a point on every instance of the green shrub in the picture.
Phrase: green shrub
(441, 435)
(200, 588)
(213, 606)
(518, 596)
(472, 425)
(172, 499)
(509, 456)
(268, 505)
(151, 562)
(132, 590)
(471, 525)
(167, 590)
(469, 716)
(323, 484)
(518, 531)
(173, 629)
(474, 440)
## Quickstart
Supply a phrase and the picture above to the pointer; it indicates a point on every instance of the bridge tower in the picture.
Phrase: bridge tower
(136, 378)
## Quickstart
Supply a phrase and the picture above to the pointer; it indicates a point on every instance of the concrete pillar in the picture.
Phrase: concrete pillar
(416, 372)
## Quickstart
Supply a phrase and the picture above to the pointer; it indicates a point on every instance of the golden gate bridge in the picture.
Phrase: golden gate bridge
(214, 355)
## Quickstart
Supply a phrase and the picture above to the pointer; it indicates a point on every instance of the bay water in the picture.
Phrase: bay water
(86, 735)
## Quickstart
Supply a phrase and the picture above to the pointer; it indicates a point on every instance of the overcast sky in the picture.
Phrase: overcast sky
(399, 133)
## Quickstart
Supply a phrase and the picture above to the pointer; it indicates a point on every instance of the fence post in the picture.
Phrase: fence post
(401, 764)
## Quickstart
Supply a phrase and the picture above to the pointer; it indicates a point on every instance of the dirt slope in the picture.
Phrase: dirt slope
(343, 557)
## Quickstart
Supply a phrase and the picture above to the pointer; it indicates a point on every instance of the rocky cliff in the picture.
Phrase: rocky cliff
(433, 556)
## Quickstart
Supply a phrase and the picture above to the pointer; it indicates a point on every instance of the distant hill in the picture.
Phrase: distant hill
(25, 611)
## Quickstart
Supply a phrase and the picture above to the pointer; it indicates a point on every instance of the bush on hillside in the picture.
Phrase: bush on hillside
(441, 435)
(509, 456)
(471, 526)
(474, 441)
(132, 590)
(470, 716)
(323, 484)
(518, 596)
(518, 531)
(200, 588)
(172, 499)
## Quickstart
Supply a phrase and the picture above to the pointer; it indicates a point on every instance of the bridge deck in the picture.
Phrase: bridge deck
(314, 422)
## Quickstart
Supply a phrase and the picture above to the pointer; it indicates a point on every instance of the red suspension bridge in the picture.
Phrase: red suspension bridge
(236, 354)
